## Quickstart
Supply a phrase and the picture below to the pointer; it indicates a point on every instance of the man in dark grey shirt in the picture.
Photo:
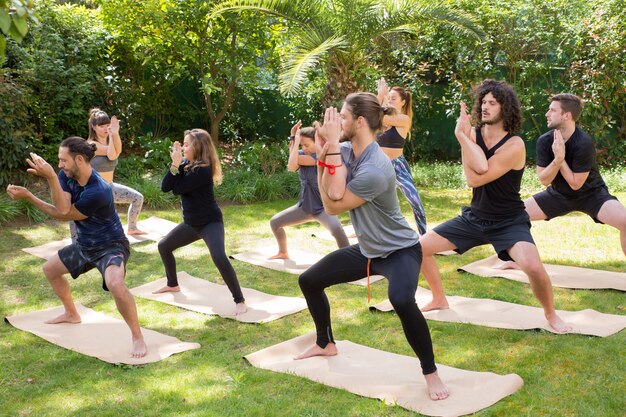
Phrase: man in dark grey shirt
(358, 177)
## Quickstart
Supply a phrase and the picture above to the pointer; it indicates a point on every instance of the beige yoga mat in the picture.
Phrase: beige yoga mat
(503, 315)
(155, 227)
(561, 276)
(99, 335)
(298, 262)
(209, 298)
(393, 378)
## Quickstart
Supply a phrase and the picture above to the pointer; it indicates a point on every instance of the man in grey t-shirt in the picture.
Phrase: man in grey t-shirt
(359, 178)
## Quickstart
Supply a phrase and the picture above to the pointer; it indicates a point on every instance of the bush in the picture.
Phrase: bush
(15, 128)
(9, 209)
(243, 186)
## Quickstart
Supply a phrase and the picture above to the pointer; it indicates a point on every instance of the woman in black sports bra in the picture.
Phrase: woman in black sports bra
(392, 141)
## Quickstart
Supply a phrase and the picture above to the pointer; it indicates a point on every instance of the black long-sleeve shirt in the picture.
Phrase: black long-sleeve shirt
(196, 194)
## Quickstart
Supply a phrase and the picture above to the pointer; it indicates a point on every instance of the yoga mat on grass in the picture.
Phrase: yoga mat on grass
(394, 378)
(298, 262)
(503, 315)
(155, 227)
(561, 276)
(210, 298)
(99, 335)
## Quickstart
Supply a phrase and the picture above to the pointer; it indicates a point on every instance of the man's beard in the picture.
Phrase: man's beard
(347, 136)
(72, 173)
(493, 121)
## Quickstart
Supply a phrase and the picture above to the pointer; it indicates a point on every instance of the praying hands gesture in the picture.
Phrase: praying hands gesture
(383, 91)
(114, 126)
(463, 129)
(177, 154)
(329, 133)
(558, 146)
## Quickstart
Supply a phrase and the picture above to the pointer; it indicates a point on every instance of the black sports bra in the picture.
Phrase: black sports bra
(391, 138)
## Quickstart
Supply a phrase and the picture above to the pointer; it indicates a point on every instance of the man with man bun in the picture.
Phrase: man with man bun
(80, 194)
(356, 176)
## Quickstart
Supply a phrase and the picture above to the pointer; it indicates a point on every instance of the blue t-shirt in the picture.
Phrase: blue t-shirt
(310, 200)
(94, 200)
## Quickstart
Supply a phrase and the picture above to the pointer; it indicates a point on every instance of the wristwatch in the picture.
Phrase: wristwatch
(173, 170)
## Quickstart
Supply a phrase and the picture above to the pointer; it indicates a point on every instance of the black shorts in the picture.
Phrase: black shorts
(79, 260)
(467, 231)
(555, 204)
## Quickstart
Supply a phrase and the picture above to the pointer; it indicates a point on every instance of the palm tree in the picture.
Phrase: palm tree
(339, 34)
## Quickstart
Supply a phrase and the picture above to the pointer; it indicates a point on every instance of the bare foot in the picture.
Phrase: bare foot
(136, 232)
(240, 308)
(507, 265)
(167, 289)
(65, 318)
(139, 348)
(436, 305)
(558, 325)
(315, 350)
(436, 388)
(279, 255)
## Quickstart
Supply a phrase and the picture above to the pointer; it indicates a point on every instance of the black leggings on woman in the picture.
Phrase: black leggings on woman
(213, 236)
(401, 268)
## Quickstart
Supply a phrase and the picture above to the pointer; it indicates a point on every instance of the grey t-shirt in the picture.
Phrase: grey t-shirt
(379, 225)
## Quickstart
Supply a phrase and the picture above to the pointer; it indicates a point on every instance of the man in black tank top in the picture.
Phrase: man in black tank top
(493, 161)
(566, 164)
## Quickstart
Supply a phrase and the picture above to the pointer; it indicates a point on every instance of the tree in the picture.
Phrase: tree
(178, 40)
(340, 34)
(14, 15)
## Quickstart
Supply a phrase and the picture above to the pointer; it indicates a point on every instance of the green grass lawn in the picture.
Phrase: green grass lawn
(567, 375)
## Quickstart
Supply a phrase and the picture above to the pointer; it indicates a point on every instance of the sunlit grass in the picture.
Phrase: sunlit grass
(563, 375)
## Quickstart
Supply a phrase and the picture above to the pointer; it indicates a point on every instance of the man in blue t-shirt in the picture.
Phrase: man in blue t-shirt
(80, 194)
(566, 164)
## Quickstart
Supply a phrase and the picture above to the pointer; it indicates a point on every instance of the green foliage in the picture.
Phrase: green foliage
(9, 209)
(16, 131)
(14, 17)
(61, 61)
(266, 158)
(246, 186)
(598, 74)
(337, 35)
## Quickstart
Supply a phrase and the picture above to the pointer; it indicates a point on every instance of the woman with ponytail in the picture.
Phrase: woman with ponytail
(392, 140)
(194, 171)
(104, 133)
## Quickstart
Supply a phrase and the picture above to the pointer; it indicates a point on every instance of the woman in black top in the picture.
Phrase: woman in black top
(192, 178)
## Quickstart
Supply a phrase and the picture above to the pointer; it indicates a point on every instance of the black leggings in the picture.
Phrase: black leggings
(213, 236)
(401, 268)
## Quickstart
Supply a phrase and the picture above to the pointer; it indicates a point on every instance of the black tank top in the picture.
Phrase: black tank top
(391, 138)
(500, 198)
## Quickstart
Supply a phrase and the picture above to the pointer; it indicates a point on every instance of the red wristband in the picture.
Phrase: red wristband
(331, 167)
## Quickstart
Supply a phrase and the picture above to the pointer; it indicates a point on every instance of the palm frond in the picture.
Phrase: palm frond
(409, 16)
(301, 60)
(303, 12)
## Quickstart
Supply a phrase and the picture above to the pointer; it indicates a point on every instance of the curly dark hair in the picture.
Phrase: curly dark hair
(506, 97)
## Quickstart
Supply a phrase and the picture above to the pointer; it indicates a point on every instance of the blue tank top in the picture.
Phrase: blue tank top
(391, 138)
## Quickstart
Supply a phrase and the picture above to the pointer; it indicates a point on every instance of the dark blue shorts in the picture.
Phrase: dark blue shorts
(467, 231)
(79, 260)
(555, 204)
